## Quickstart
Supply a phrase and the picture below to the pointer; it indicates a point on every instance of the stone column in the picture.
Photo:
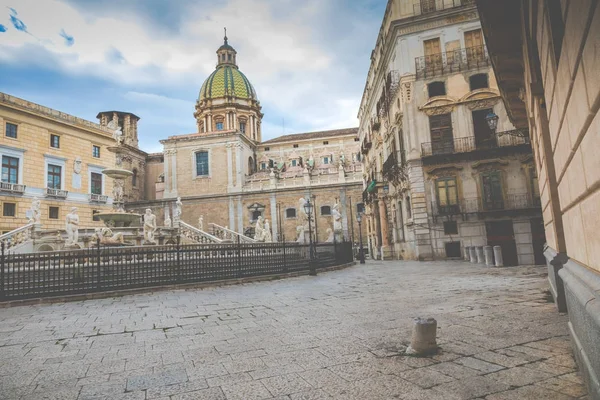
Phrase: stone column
(489, 255)
(472, 254)
(384, 226)
(479, 253)
(498, 256)
(274, 217)
(205, 124)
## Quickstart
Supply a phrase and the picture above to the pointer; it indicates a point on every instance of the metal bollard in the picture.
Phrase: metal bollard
(473, 254)
(423, 339)
(488, 251)
(479, 252)
(498, 256)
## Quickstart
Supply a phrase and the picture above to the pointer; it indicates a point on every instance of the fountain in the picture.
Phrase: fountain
(118, 217)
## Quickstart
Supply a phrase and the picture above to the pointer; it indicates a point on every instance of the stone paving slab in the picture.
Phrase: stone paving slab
(340, 335)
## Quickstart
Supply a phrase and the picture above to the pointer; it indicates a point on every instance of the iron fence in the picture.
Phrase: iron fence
(100, 269)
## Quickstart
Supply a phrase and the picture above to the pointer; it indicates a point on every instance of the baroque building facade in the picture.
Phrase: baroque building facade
(224, 174)
(546, 55)
(437, 179)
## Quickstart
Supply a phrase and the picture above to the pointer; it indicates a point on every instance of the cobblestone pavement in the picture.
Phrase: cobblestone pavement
(336, 336)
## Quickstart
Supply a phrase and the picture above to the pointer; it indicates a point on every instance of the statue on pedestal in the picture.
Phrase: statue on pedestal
(201, 223)
(267, 237)
(72, 227)
(149, 227)
(36, 214)
(107, 237)
(168, 223)
(117, 133)
(259, 229)
(177, 212)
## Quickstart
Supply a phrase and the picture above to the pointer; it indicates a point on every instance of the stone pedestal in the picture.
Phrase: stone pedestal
(498, 256)
(479, 252)
(488, 252)
(423, 339)
(472, 254)
(467, 253)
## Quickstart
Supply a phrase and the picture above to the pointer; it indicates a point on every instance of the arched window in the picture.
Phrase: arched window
(134, 178)
(250, 166)
(290, 213)
(436, 89)
(479, 81)
(325, 210)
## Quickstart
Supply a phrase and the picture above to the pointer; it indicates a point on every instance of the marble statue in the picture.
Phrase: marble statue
(177, 211)
(149, 227)
(72, 227)
(107, 237)
(118, 190)
(259, 229)
(201, 223)
(36, 214)
(168, 223)
(267, 237)
(330, 236)
(337, 218)
(117, 133)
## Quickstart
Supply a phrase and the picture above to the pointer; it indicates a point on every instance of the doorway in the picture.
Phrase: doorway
(538, 239)
(484, 139)
(491, 183)
(501, 233)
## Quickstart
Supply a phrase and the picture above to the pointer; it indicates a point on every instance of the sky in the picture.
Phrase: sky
(308, 60)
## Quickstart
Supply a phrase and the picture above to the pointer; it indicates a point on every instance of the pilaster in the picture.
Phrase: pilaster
(274, 217)
(228, 146)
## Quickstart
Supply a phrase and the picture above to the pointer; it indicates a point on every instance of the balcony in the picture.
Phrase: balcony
(366, 146)
(98, 198)
(451, 62)
(421, 7)
(12, 187)
(473, 148)
(510, 204)
(57, 193)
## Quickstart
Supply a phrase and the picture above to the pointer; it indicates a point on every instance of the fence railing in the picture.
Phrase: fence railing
(57, 193)
(12, 187)
(449, 62)
(100, 269)
(470, 143)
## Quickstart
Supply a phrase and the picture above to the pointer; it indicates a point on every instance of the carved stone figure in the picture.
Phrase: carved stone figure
(107, 237)
(149, 227)
(201, 223)
(267, 237)
(72, 227)
(118, 190)
(117, 134)
(259, 229)
(337, 218)
(177, 211)
(36, 214)
(330, 236)
(77, 165)
(167, 218)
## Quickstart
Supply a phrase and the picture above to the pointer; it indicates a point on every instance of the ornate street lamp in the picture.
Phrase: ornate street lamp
(361, 252)
(492, 121)
(308, 208)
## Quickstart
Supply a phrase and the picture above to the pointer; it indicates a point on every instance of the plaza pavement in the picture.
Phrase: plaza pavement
(339, 335)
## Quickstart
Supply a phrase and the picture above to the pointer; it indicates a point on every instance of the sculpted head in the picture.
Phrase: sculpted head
(73, 210)
(148, 211)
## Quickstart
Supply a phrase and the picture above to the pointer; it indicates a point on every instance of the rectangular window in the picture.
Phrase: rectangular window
(55, 141)
(440, 127)
(447, 196)
(53, 212)
(452, 249)
(10, 169)
(263, 165)
(294, 162)
(219, 126)
(474, 46)
(360, 208)
(326, 142)
(492, 191)
(433, 53)
(11, 130)
(243, 127)
(325, 210)
(267, 148)
(290, 213)
(450, 228)
(295, 146)
(202, 163)
(9, 209)
(96, 151)
(54, 177)
(96, 183)
(95, 216)
(325, 160)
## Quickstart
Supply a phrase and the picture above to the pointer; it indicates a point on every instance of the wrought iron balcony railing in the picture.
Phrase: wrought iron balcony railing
(428, 6)
(468, 144)
(509, 202)
(451, 61)
(12, 187)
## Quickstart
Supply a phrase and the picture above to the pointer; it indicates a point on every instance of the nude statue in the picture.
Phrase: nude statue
(72, 227)
(149, 227)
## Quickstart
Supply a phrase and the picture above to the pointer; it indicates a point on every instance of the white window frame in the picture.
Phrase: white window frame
(16, 153)
(194, 170)
(58, 161)
(98, 170)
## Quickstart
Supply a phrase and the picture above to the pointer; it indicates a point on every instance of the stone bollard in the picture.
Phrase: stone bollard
(498, 256)
(423, 339)
(467, 254)
(488, 251)
(473, 254)
(479, 252)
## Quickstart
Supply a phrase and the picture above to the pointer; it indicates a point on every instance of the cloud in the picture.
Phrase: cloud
(69, 41)
(307, 60)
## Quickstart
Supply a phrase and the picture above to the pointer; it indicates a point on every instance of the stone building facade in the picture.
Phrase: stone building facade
(546, 56)
(437, 179)
(223, 173)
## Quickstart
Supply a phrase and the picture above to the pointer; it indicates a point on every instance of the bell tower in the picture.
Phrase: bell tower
(126, 121)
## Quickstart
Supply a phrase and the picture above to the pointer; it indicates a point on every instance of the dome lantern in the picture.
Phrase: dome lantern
(226, 54)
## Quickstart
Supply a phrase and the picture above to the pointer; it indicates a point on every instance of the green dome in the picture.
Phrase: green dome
(227, 80)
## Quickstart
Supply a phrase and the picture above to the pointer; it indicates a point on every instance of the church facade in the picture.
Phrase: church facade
(223, 173)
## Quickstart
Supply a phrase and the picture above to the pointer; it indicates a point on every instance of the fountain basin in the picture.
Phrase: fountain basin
(118, 219)
(117, 173)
